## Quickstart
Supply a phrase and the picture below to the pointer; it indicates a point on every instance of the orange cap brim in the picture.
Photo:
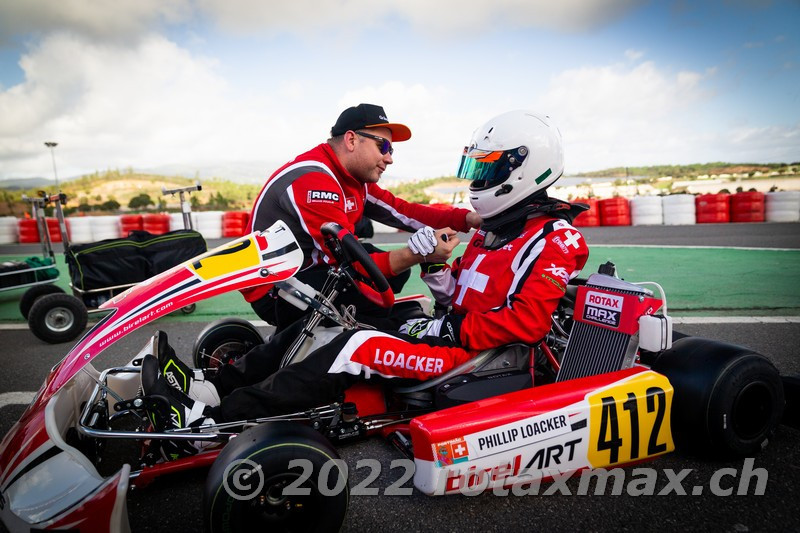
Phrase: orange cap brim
(400, 132)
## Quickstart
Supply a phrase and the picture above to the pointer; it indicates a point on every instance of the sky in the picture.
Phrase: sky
(236, 88)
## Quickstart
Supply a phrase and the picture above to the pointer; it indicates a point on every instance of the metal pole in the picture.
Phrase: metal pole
(52, 145)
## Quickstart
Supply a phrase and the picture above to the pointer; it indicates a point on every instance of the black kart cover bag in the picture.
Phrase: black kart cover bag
(135, 258)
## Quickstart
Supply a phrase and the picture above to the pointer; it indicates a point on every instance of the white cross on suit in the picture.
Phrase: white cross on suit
(472, 279)
(572, 239)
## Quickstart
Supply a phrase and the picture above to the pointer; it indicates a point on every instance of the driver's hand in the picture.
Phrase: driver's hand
(446, 241)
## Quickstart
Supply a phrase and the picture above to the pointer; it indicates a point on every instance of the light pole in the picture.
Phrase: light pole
(52, 145)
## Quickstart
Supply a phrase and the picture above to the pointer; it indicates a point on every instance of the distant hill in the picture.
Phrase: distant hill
(695, 170)
(14, 184)
(112, 191)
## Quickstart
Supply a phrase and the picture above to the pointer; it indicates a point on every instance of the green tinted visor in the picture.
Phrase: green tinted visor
(490, 167)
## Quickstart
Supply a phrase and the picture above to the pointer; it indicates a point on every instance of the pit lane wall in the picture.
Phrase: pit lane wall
(676, 209)
(523, 437)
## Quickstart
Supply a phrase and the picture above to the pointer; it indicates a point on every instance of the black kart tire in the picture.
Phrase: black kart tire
(246, 488)
(791, 390)
(226, 336)
(33, 294)
(58, 317)
(728, 400)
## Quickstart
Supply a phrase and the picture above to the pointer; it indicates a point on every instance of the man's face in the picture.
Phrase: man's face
(368, 163)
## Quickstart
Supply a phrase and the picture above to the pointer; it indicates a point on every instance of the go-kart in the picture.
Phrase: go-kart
(606, 387)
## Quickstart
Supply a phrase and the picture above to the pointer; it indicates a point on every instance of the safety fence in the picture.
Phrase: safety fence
(83, 229)
(685, 209)
(673, 210)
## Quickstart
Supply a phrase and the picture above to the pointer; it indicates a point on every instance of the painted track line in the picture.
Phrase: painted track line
(16, 398)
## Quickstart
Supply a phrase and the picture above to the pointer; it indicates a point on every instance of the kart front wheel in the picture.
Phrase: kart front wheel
(58, 317)
(728, 400)
(222, 341)
(278, 476)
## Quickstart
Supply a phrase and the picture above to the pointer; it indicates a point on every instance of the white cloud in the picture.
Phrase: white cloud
(633, 55)
(104, 19)
(120, 106)
(616, 114)
(122, 19)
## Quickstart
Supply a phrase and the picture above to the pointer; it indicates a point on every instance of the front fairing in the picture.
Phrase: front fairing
(256, 259)
(259, 258)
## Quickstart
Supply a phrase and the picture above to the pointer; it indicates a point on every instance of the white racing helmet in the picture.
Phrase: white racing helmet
(510, 158)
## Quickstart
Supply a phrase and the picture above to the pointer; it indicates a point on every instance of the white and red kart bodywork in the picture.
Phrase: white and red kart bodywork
(609, 419)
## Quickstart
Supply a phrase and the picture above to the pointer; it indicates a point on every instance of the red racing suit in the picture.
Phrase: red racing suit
(503, 296)
(507, 295)
(315, 188)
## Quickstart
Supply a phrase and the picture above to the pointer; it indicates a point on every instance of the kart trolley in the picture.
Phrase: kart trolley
(101, 270)
(39, 275)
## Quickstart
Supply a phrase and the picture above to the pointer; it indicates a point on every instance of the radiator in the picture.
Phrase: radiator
(605, 330)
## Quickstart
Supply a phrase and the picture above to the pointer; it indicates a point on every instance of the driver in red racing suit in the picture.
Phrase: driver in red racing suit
(502, 290)
(338, 182)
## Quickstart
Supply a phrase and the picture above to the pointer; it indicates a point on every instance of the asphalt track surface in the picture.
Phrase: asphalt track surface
(173, 503)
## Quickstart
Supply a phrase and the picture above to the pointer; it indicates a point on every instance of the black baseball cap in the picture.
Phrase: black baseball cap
(365, 116)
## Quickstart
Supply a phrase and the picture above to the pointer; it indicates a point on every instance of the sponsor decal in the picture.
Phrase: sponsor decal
(561, 244)
(350, 204)
(478, 477)
(417, 363)
(325, 197)
(603, 308)
(451, 452)
(553, 455)
(554, 282)
(559, 272)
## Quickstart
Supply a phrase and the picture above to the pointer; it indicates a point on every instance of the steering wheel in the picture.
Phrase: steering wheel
(348, 251)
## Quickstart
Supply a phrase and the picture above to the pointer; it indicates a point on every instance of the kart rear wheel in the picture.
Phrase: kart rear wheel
(222, 341)
(58, 317)
(728, 400)
(278, 476)
(33, 294)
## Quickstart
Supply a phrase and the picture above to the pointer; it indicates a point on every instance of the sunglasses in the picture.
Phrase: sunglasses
(384, 145)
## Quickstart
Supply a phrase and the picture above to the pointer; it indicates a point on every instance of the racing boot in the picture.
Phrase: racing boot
(172, 410)
(182, 378)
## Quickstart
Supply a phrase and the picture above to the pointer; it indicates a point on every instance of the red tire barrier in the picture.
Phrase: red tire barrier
(28, 231)
(712, 208)
(54, 230)
(234, 223)
(129, 223)
(747, 207)
(590, 217)
(155, 224)
(614, 212)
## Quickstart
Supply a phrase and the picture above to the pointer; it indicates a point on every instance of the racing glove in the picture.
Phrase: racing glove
(447, 327)
(423, 241)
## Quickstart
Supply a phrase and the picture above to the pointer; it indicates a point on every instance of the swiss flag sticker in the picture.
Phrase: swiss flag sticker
(460, 450)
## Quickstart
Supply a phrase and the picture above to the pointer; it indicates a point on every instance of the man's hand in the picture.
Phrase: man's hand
(405, 258)
(423, 242)
(474, 220)
(446, 241)
(447, 327)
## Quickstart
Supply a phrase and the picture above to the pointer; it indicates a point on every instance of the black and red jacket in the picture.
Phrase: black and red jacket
(315, 188)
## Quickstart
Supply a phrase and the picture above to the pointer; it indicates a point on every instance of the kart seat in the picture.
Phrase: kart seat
(510, 356)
